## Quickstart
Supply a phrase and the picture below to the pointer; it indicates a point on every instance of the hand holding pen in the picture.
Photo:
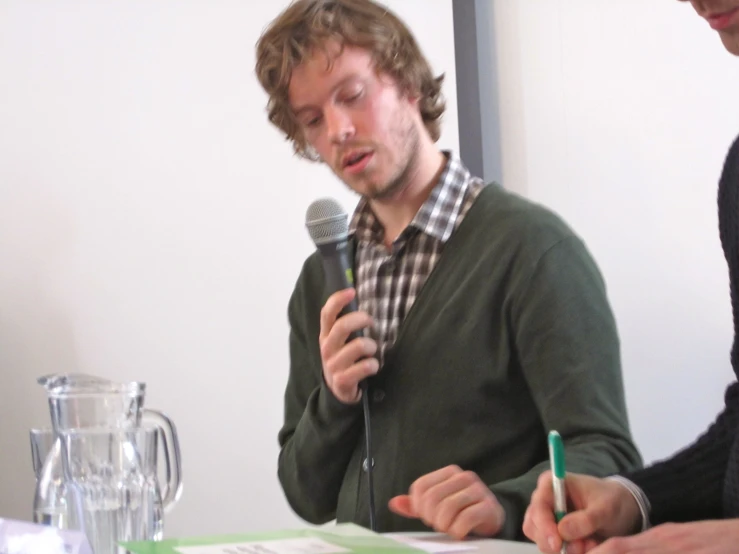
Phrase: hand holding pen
(598, 508)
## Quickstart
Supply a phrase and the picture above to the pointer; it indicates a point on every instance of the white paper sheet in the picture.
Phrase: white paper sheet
(307, 545)
(434, 546)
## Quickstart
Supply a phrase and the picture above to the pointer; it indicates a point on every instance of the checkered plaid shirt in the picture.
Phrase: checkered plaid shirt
(389, 281)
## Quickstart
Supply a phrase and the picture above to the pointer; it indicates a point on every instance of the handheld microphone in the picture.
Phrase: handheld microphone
(328, 227)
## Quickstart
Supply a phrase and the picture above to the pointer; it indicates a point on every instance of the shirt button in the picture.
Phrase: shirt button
(378, 395)
(365, 464)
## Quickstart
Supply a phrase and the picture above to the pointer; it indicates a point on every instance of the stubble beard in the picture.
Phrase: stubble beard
(408, 139)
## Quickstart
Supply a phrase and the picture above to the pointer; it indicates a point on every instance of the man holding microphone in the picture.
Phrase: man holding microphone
(487, 321)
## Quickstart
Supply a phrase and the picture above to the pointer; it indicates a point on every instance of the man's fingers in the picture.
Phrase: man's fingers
(544, 525)
(540, 525)
(576, 547)
(579, 525)
(544, 482)
(401, 505)
(449, 507)
(361, 347)
(422, 485)
(331, 309)
(343, 364)
(468, 519)
(627, 545)
(348, 380)
(336, 338)
(531, 531)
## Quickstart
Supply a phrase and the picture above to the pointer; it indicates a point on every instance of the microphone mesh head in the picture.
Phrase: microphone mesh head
(326, 221)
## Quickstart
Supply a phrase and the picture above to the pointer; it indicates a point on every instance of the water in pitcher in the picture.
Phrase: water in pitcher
(112, 493)
(54, 517)
(109, 521)
(106, 523)
(135, 454)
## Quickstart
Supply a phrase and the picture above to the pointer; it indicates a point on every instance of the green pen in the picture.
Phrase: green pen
(557, 463)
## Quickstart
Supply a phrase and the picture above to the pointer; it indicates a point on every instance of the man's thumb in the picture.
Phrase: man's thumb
(401, 505)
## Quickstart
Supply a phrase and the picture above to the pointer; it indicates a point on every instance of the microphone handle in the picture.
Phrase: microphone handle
(339, 275)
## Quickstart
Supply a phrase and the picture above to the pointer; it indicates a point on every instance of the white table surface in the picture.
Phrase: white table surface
(481, 546)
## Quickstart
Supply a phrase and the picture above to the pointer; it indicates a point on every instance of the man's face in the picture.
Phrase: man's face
(723, 16)
(358, 122)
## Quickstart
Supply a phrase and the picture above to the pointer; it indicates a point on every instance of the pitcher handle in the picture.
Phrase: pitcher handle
(173, 460)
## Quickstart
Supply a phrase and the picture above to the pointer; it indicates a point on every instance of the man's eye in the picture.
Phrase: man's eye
(355, 95)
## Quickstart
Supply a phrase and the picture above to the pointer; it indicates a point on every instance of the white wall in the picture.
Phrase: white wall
(618, 114)
(151, 228)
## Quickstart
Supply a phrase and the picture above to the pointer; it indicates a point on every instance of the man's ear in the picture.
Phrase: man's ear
(413, 96)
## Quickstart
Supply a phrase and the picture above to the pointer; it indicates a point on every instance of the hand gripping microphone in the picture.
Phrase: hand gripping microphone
(328, 227)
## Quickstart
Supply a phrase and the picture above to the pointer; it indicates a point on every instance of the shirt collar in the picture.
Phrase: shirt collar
(437, 216)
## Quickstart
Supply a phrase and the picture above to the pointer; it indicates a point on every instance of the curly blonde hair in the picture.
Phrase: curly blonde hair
(307, 25)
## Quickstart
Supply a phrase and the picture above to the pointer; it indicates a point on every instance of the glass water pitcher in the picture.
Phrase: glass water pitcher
(103, 439)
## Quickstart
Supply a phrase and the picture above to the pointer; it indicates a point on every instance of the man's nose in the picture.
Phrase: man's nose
(340, 126)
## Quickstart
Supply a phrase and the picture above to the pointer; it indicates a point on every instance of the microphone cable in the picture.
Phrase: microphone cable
(369, 461)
